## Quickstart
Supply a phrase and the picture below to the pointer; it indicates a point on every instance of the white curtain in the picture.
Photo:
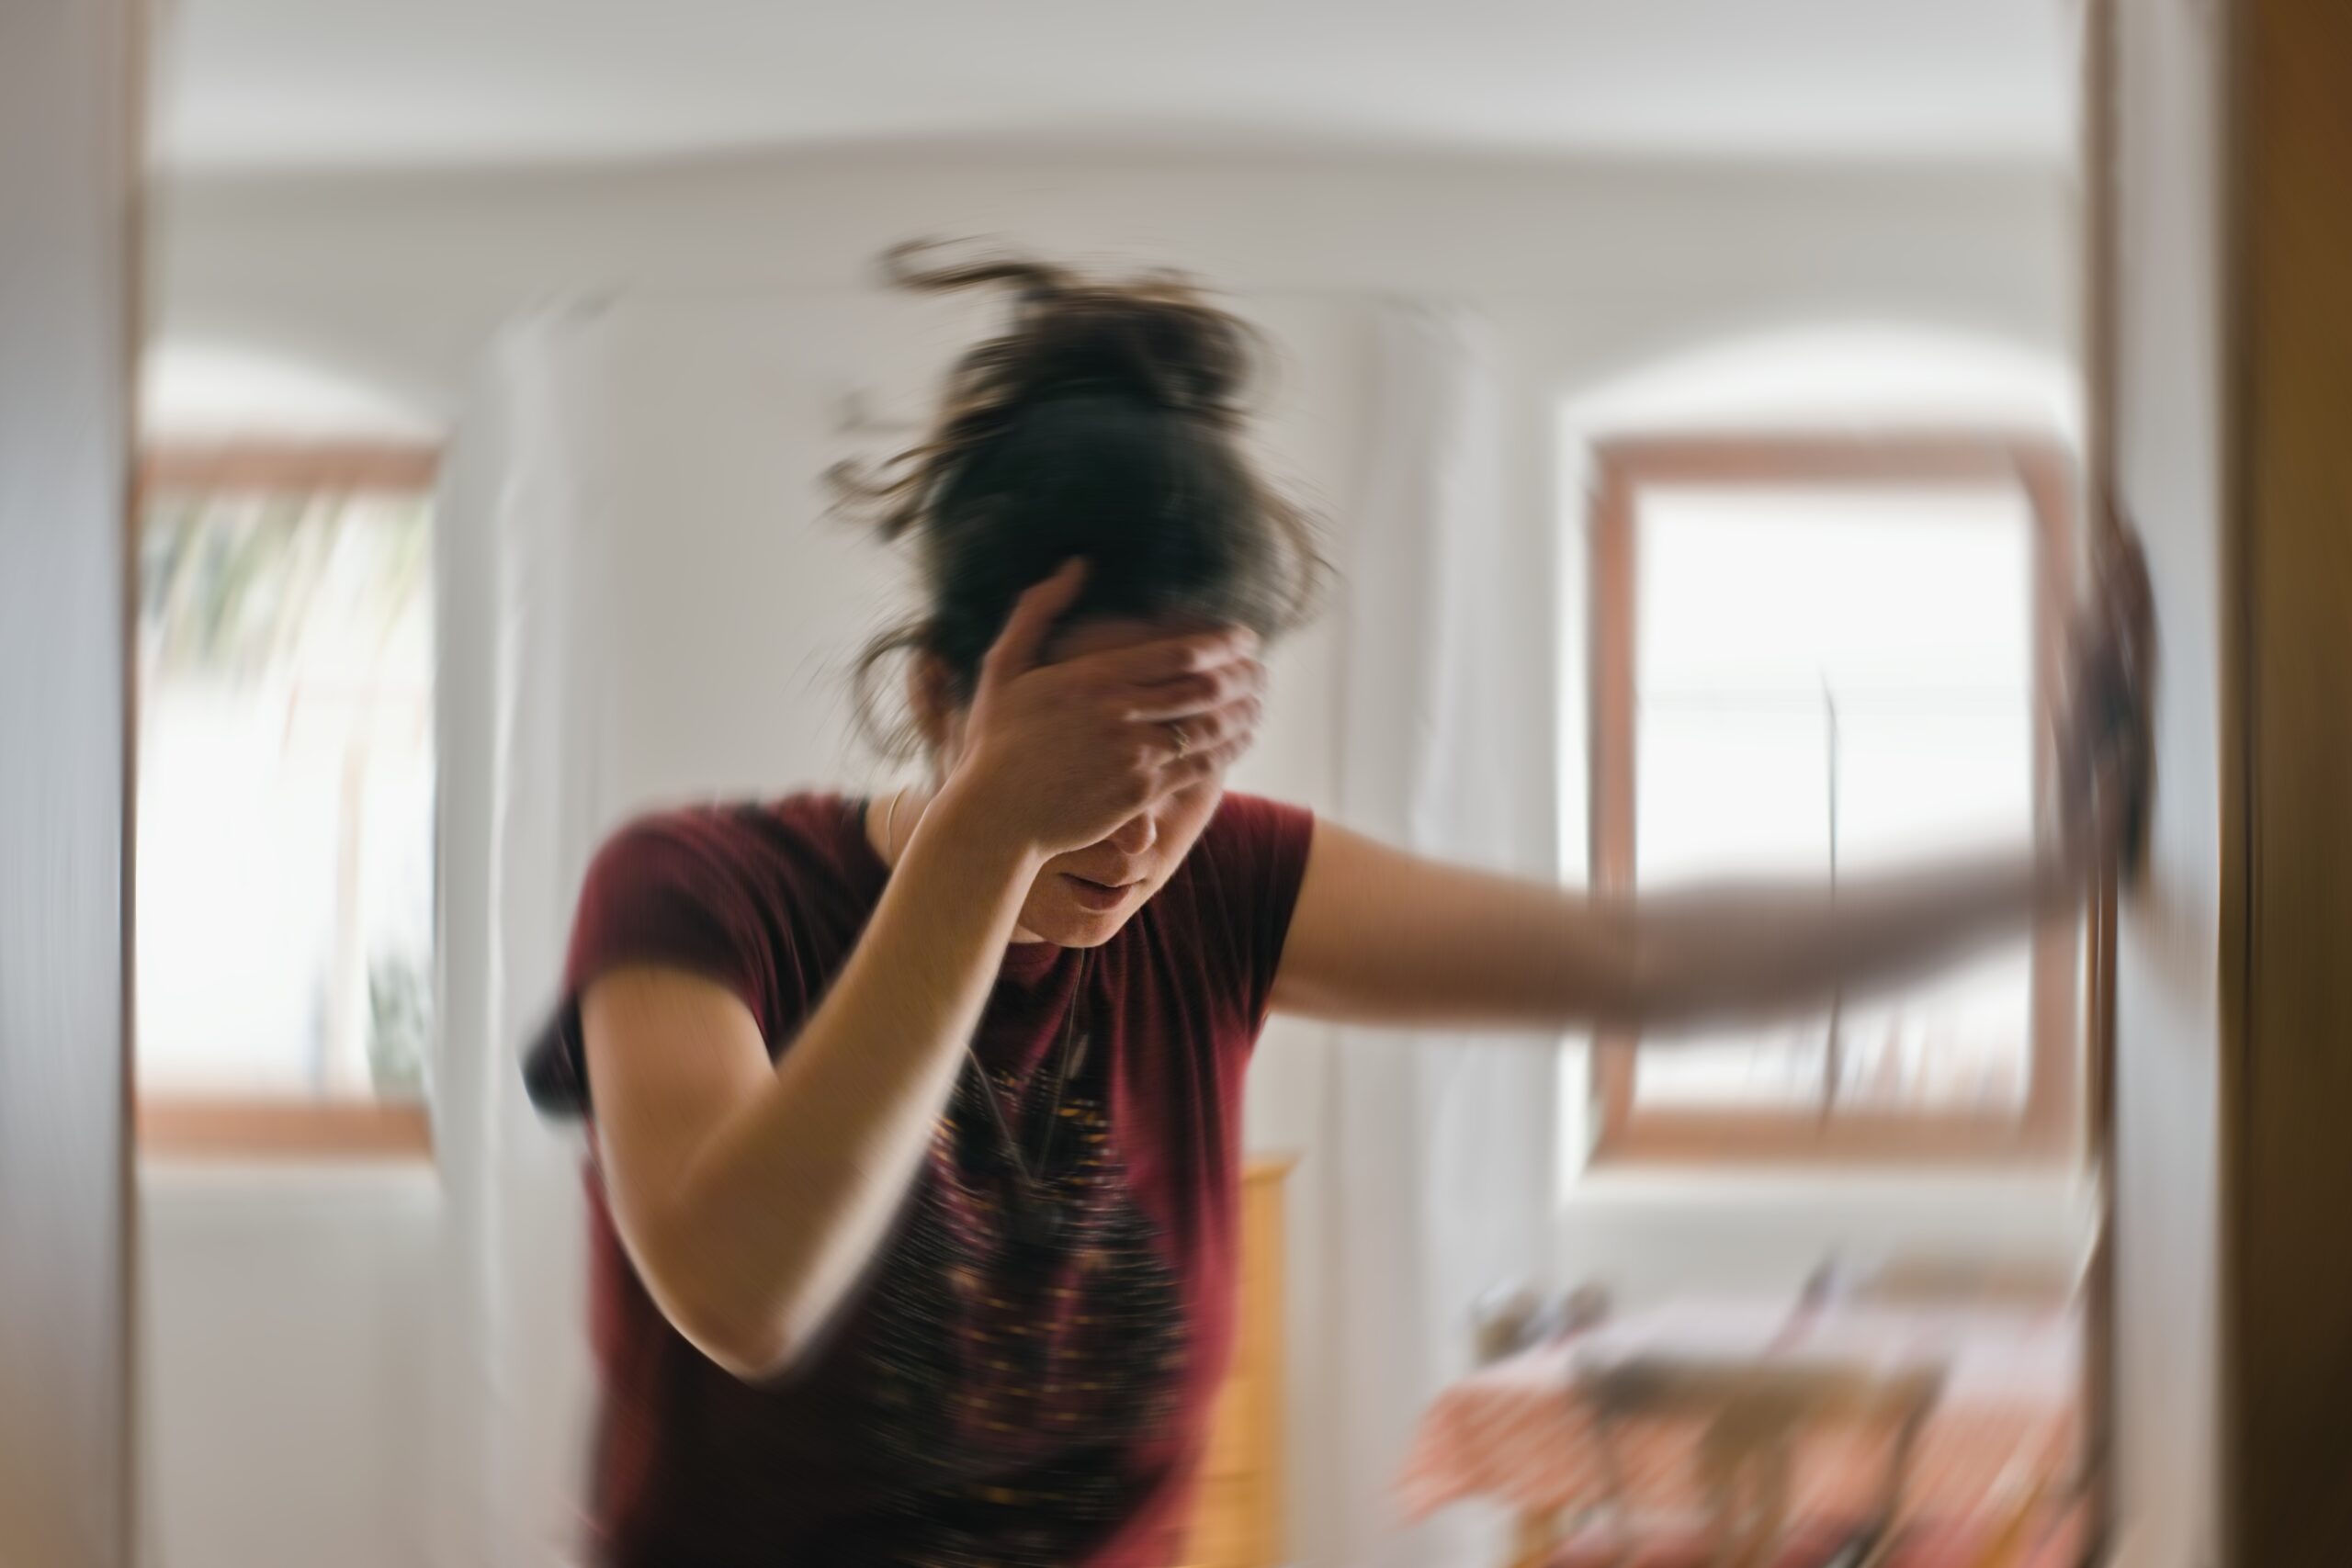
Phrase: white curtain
(518, 543)
(1441, 1148)
(643, 602)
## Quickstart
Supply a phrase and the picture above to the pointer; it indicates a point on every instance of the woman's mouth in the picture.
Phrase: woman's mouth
(1097, 895)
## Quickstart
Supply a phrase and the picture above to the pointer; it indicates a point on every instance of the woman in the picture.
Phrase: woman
(916, 1122)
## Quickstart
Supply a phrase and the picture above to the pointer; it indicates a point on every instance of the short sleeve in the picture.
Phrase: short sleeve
(668, 890)
(1255, 851)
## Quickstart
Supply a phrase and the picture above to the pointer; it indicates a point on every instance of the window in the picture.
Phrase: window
(285, 847)
(1813, 658)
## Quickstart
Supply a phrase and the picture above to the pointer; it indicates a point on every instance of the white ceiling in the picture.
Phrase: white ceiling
(265, 83)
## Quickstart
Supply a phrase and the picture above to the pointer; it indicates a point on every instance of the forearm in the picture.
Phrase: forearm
(1706, 955)
(773, 1218)
(1385, 937)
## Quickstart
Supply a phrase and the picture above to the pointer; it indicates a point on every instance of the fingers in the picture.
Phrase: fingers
(1206, 743)
(1174, 658)
(2125, 598)
(2102, 718)
(1206, 731)
(2123, 575)
(1022, 645)
(1239, 680)
(1199, 766)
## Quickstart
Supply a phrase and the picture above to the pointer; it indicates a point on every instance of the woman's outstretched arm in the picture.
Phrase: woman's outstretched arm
(1385, 937)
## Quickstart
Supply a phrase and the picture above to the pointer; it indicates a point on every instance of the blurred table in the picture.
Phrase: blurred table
(1553, 1432)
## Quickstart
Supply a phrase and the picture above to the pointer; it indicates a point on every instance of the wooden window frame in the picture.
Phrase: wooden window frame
(247, 1128)
(2047, 1132)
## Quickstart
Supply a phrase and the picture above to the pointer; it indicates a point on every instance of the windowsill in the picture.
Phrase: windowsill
(1880, 1187)
(1651, 1236)
(189, 1132)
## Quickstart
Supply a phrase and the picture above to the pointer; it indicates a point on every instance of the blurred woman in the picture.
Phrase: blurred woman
(916, 1122)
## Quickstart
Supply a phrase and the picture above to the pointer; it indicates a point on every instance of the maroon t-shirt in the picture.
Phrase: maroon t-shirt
(998, 1391)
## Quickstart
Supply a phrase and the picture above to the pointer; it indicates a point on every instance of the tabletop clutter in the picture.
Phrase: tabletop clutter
(1906, 1420)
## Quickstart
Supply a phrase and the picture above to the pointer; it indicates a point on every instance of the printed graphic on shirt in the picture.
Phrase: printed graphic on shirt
(1023, 1345)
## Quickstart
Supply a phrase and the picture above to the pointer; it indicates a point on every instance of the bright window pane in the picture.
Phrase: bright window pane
(1838, 667)
(286, 796)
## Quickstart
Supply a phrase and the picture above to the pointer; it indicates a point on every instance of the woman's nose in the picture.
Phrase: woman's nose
(1137, 835)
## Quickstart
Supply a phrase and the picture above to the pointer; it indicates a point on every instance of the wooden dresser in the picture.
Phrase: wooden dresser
(1237, 1521)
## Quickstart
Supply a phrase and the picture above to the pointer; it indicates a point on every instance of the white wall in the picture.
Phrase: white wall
(284, 1357)
(400, 278)
(1588, 271)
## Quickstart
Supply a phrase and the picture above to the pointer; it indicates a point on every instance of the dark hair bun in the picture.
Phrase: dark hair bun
(1154, 338)
(1104, 422)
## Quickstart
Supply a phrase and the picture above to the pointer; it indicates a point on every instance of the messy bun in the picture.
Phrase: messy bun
(1105, 421)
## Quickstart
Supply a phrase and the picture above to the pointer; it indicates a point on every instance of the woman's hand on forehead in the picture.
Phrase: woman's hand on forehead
(1171, 656)
(1068, 750)
(1239, 681)
(1174, 675)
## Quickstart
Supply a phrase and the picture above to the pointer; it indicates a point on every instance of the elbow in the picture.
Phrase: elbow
(756, 1318)
(749, 1348)
(752, 1340)
(750, 1353)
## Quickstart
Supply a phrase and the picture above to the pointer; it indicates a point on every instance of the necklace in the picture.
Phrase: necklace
(890, 825)
(1037, 1218)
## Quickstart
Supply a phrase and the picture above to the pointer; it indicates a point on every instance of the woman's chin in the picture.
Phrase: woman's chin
(1083, 931)
(1067, 922)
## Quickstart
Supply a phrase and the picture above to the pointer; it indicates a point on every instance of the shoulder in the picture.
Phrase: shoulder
(736, 876)
(1237, 888)
(752, 895)
(1252, 854)
(726, 844)
(1250, 833)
